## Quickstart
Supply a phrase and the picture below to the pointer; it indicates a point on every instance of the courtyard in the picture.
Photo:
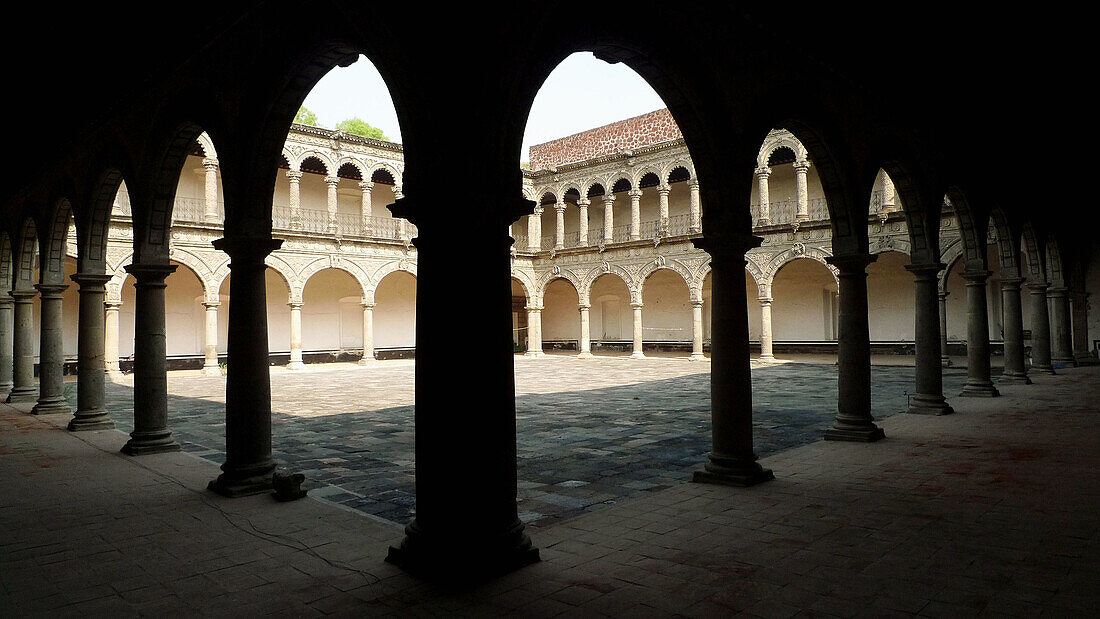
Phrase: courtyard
(590, 433)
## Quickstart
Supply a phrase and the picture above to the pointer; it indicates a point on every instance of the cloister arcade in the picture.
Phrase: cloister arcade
(838, 201)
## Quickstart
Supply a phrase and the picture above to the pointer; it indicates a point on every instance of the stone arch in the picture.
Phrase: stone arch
(340, 264)
(93, 226)
(381, 272)
(591, 184)
(207, 145)
(153, 219)
(1008, 245)
(777, 262)
(670, 265)
(53, 243)
(1033, 254)
(557, 273)
(972, 228)
(950, 256)
(385, 168)
(322, 158)
(291, 160)
(208, 275)
(672, 166)
(1054, 263)
(355, 163)
(618, 178)
(530, 286)
(7, 266)
(547, 192)
(776, 139)
(596, 273)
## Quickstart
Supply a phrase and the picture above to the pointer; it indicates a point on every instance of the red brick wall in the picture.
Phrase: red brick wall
(651, 128)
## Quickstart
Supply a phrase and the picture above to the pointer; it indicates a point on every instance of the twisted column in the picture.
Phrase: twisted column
(151, 433)
(697, 331)
(696, 215)
(978, 383)
(1061, 343)
(1040, 329)
(637, 347)
(110, 337)
(732, 460)
(210, 215)
(210, 366)
(365, 206)
(331, 202)
(23, 387)
(586, 329)
(608, 217)
(296, 362)
(534, 332)
(582, 207)
(534, 229)
(762, 174)
(1015, 370)
(248, 462)
(888, 194)
(928, 399)
(7, 335)
(800, 170)
(854, 421)
(662, 207)
(559, 228)
(766, 329)
(635, 214)
(295, 178)
(368, 335)
(91, 399)
(51, 354)
(945, 359)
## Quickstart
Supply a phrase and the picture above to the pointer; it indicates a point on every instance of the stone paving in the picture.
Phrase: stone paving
(635, 427)
(993, 512)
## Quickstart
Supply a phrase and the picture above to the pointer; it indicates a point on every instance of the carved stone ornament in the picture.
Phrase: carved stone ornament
(556, 270)
(606, 267)
(798, 249)
(660, 261)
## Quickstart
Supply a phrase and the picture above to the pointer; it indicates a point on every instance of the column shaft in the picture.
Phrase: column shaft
(51, 354)
(559, 228)
(696, 214)
(91, 399)
(608, 217)
(151, 433)
(1061, 342)
(800, 170)
(945, 359)
(635, 214)
(1015, 370)
(582, 207)
(110, 338)
(295, 178)
(366, 212)
(210, 365)
(978, 383)
(585, 351)
(534, 332)
(331, 203)
(854, 421)
(766, 329)
(7, 337)
(731, 460)
(637, 352)
(296, 362)
(23, 388)
(762, 175)
(534, 230)
(928, 399)
(211, 215)
(697, 331)
(1040, 329)
(368, 335)
(248, 462)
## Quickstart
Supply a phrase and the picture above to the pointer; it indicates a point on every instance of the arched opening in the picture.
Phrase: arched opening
(332, 314)
(184, 317)
(199, 191)
(666, 315)
(890, 299)
(752, 305)
(278, 313)
(804, 303)
(519, 316)
(395, 315)
(611, 319)
(561, 327)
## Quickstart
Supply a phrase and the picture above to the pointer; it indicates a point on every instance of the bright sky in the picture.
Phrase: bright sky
(581, 93)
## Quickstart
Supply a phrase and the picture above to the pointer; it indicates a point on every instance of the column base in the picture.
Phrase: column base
(1066, 362)
(22, 394)
(637, 355)
(697, 356)
(367, 362)
(295, 365)
(463, 561)
(853, 432)
(732, 472)
(924, 404)
(946, 362)
(766, 358)
(145, 443)
(52, 406)
(244, 481)
(90, 420)
(1014, 378)
(585, 355)
(979, 389)
(1042, 369)
(211, 370)
(534, 353)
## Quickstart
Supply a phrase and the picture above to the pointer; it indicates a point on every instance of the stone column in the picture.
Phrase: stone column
(586, 331)
(854, 421)
(1040, 329)
(110, 337)
(295, 178)
(534, 332)
(534, 230)
(1015, 371)
(637, 352)
(762, 175)
(151, 433)
(210, 366)
(331, 203)
(731, 460)
(367, 213)
(800, 170)
(211, 215)
(559, 227)
(635, 214)
(7, 333)
(91, 399)
(23, 388)
(368, 335)
(694, 206)
(296, 362)
(662, 207)
(1061, 342)
(888, 196)
(697, 331)
(51, 354)
(978, 383)
(1079, 318)
(608, 217)
(945, 360)
(928, 399)
(582, 207)
(766, 329)
(248, 462)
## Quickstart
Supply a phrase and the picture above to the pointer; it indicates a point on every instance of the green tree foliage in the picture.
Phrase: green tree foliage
(305, 117)
(358, 127)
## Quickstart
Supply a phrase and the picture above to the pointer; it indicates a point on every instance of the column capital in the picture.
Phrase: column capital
(295, 305)
(608, 197)
(51, 291)
(211, 304)
(634, 193)
(976, 277)
(331, 181)
(294, 175)
(637, 304)
(763, 300)
(23, 296)
(92, 280)
(664, 189)
(1012, 283)
(802, 165)
(583, 202)
(366, 185)
(112, 305)
(943, 295)
(693, 183)
(533, 308)
(150, 273)
(559, 207)
(763, 171)
(852, 263)
(247, 248)
(1058, 291)
(367, 306)
(925, 271)
(1038, 287)
(697, 303)
(6, 300)
(210, 163)
(583, 306)
(732, 246)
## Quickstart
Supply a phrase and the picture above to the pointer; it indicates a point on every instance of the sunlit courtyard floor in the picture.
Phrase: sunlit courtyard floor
(591, 433)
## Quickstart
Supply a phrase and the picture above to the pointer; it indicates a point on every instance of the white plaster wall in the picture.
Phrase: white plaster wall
(184, 315)
(611, 317)
(332, 313)
(561, 319)
(278, 314)
(666, 315)
(395, 311)
(192, 182)
(70, 311)
(891, 298)
(751, 304)
(802, 308)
